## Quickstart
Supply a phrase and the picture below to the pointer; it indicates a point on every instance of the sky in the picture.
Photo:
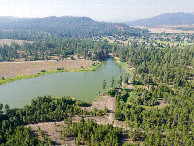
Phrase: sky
(100, 10)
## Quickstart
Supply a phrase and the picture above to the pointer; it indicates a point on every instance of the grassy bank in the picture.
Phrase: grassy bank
(124, 66)
(19, 77)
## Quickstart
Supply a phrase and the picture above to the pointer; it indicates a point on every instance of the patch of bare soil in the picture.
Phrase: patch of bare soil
(161, 104)
(12, 69)
(101, 103)
(131, 68)
(9, 41)
(130, 86)
(50, 129)
(190, 67)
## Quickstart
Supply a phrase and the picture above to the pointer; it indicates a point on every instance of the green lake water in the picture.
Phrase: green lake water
(80, 85)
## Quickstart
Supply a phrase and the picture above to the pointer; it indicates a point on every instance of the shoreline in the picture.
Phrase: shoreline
(20, 77)
(124, 65)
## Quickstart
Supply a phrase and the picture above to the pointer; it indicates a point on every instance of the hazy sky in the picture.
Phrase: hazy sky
(101, 10)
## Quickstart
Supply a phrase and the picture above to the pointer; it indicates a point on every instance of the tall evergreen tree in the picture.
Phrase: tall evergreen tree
(103, 84)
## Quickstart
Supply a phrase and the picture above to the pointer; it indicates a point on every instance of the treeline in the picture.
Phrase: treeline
(27, 35)
(62, 48)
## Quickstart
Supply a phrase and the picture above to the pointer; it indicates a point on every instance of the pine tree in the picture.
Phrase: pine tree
(103, 84)
(112, 82)
(120, 80)
(126, 79)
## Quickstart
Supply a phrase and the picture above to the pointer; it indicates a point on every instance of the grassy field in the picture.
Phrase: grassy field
(113, 41)
(166, 30)
(176, 43)
(9, 41)
(12, 71)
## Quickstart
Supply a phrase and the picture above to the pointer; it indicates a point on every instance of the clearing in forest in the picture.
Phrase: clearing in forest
(9, 41)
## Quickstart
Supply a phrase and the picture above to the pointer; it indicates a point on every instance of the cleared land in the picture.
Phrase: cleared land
(12, 69)
(167, 30)
(9, 41)
(53, 131)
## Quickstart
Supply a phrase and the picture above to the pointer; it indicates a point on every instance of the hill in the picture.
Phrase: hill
(66, 26)
(4, 20)
(165, 19)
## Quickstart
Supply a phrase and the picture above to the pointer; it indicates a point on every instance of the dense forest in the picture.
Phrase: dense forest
(170, 125)
(90, 133)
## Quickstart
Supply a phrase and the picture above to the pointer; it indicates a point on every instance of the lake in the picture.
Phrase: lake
(80, 85)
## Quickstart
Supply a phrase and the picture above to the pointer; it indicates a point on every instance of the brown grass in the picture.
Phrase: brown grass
(167, 30)
(9, 41)
(12, 69)
(101, 103)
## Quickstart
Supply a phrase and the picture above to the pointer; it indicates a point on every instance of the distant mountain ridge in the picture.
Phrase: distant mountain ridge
(32, 22)
(66, 26)
(179, 18)
(7, 19)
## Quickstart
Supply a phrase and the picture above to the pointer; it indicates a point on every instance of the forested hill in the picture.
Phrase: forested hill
(66, 26)
(4, 20)
(166, 19)
(40, 23)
